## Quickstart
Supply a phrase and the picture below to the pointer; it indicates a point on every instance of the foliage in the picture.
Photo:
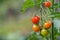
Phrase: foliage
(55, 15)
(33, 36)
(30, 4)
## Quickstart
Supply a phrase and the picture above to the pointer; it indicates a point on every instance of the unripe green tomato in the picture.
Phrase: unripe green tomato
(44, 32)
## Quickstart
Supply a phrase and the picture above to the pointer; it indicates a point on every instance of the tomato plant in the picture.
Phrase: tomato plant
(44, 13)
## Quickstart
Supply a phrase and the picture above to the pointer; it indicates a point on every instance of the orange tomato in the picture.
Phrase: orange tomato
(47, 4)
(47, 24)
(36, 28)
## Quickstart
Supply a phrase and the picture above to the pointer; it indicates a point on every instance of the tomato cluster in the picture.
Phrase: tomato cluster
(47, 24)
(36, 27)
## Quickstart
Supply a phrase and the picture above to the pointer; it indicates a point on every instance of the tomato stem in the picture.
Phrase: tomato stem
(52, 20)
(41, 10)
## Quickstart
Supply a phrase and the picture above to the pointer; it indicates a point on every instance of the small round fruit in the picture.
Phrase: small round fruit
(44, 32)
(35, 19)
(47, 4)
(38, 17)
(36, 28)
(47, 25)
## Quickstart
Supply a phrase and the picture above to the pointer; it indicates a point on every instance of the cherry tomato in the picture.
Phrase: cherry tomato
(47, 4)
(35, 19)
(44, 32)
(47, 25)
(36, 28)
(38, 17)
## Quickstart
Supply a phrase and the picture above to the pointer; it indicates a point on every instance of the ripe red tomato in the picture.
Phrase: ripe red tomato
(38, 17)
(47, 4)
(35, 19)
(36, 28)
(47, 25)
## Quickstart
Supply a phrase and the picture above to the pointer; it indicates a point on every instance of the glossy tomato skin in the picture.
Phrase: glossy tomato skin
(35, 19)
(38, 17)
(44, 32)
(47, 4)
(36, 28)
(47, 25)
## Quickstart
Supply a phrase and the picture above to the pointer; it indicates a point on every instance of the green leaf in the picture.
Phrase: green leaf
(31, 4)
(56, 5)
(38, 3)
(27, 3)
(56, 14)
